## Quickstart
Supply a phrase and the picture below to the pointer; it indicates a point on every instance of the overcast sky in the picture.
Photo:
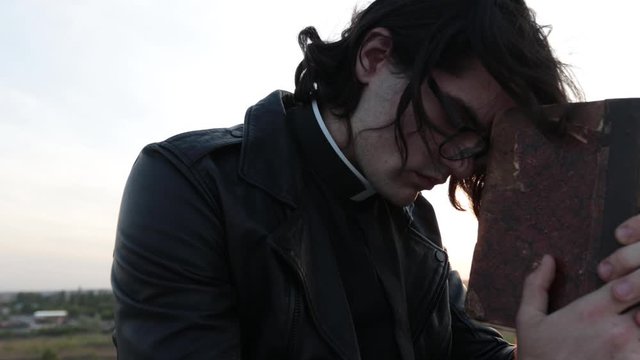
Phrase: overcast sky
(84, 85)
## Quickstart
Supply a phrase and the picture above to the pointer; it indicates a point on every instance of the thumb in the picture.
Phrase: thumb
(535, 292)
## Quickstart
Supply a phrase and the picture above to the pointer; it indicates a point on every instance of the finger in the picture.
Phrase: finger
(626, 290)
(535, 292)
(629, 231)
(622, 262)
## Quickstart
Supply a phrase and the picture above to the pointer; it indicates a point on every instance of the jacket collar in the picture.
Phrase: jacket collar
(267, 145)
(270, 127)
(326, 160)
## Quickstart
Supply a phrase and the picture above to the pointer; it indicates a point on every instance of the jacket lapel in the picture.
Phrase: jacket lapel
(305, 243)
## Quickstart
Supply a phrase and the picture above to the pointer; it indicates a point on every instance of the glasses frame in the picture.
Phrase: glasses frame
(462, 129)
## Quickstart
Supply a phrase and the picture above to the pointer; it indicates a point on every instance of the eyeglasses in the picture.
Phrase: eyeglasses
(468, 141)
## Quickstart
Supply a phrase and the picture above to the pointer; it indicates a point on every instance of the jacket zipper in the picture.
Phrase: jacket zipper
(292, 263)
(293, 335)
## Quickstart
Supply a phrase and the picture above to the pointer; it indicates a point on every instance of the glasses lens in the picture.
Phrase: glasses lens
(462, 145)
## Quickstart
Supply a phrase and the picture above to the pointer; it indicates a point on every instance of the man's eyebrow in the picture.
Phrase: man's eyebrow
(452, 103)
(469, 113)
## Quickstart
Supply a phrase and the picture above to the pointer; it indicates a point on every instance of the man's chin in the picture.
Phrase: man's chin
(401, 200)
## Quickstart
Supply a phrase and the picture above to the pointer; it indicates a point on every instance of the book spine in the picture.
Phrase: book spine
(622, 197)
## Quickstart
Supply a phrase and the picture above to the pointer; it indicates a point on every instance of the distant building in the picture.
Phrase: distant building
(54, 317)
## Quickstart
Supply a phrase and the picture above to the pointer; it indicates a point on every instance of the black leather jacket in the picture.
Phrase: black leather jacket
(219, 255)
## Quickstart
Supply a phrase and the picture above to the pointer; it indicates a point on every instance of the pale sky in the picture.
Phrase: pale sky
(84, 85)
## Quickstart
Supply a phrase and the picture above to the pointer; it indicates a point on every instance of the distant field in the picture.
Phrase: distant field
(64, 347)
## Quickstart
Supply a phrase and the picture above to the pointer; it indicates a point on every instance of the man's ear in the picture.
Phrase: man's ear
(374, 52)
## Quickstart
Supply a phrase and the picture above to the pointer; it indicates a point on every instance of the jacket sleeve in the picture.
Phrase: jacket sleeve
(472, 340)
(169, 274)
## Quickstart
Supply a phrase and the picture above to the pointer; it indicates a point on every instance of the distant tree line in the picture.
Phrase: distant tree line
(79, 303)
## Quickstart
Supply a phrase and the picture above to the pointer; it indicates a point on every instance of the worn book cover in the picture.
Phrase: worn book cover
(559, 180)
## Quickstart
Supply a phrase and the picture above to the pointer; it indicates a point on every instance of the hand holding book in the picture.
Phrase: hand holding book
(595, 326)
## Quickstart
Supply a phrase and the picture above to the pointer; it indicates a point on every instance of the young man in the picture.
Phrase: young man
(302, 235)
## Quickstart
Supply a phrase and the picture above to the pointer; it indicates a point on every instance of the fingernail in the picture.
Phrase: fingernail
(624, 233)
(605, 269)
(535, 265)
(623, 290)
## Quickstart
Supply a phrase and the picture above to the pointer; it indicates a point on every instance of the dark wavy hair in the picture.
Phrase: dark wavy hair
(437, 34)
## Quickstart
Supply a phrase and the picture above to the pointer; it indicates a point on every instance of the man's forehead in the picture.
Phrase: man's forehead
(475, 90)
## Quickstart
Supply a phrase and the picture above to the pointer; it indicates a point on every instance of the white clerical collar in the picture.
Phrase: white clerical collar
(368, 189)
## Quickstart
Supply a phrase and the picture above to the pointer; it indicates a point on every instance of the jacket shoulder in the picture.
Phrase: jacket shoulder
(191, 146)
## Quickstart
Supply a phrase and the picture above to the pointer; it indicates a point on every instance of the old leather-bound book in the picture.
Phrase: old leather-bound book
(559, 180)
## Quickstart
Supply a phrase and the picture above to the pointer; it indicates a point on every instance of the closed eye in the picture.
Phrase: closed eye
(462, 115)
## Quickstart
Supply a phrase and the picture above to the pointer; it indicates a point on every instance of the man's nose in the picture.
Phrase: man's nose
(460, 169)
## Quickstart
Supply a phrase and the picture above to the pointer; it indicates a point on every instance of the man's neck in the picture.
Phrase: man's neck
(339, 130)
